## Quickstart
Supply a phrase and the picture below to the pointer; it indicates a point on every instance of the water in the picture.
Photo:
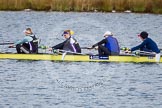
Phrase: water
(46, 84)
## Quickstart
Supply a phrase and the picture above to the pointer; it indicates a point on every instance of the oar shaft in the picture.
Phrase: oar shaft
(6, 43)
(64, 51)
(147, 52)
(86, 48)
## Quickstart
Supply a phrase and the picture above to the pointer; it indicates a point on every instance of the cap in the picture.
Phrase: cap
(64, 33)
(71, 32)
(143, 34)
(107, 33)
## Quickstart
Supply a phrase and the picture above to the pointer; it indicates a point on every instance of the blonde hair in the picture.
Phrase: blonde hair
(70, 32)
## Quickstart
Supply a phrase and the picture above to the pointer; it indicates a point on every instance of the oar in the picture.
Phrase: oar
(41, 47)
(6, 43)
(64, 53)
(144, 53)
(46, 47)
(86, 48)
(127, 49)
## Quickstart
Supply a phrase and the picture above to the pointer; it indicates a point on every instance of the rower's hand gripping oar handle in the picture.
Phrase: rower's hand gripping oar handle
(43, 47)
(125, 49)
(11, 46)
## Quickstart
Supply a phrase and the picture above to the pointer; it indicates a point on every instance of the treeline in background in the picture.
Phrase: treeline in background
(140, 6)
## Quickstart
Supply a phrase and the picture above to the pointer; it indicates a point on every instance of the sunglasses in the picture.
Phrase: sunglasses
(64, 34)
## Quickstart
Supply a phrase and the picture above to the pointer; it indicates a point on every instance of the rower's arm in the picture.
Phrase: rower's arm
(25, 39)
(59, 46)
(100, 43)
(139, 46)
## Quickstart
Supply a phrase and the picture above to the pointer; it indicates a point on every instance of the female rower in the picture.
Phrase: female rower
(29, 44)
(70, 44)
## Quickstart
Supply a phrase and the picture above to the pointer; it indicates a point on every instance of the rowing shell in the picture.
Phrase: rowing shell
(80, 58)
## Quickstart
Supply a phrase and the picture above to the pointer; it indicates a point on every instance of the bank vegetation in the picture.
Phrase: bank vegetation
(140, 6)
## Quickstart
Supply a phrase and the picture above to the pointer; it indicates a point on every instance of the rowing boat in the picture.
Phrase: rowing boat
(81, 58)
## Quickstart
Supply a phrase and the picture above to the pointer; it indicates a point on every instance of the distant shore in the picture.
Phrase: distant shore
(137, 6)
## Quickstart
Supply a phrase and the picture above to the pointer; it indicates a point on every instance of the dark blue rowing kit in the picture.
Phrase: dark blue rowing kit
(111, 46)
(147, 45)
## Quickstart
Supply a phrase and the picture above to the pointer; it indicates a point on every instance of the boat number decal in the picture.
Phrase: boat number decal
(150, 57)
(98, 57)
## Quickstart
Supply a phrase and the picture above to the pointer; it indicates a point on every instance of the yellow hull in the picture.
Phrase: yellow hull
(80, 58)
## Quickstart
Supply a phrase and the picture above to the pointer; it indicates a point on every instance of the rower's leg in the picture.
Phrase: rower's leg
(36, 47)
(33, 48)
(103, 51)
(25, 48)
(18, 48)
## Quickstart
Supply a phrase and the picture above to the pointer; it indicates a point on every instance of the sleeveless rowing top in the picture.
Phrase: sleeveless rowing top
(33, 44)
(71, 44)
(112, 44)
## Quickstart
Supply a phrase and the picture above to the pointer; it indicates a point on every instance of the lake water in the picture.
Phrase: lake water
(46, 84)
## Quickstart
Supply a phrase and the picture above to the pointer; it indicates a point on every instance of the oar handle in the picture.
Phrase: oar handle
(86, 47)
(125, 49)
(43, 47)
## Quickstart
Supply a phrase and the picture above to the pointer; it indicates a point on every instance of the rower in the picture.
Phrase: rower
(70, 44)
(110, 47)
(147, 45)
(29, 44)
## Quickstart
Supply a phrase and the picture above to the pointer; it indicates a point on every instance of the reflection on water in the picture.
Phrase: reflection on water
(79, 84)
